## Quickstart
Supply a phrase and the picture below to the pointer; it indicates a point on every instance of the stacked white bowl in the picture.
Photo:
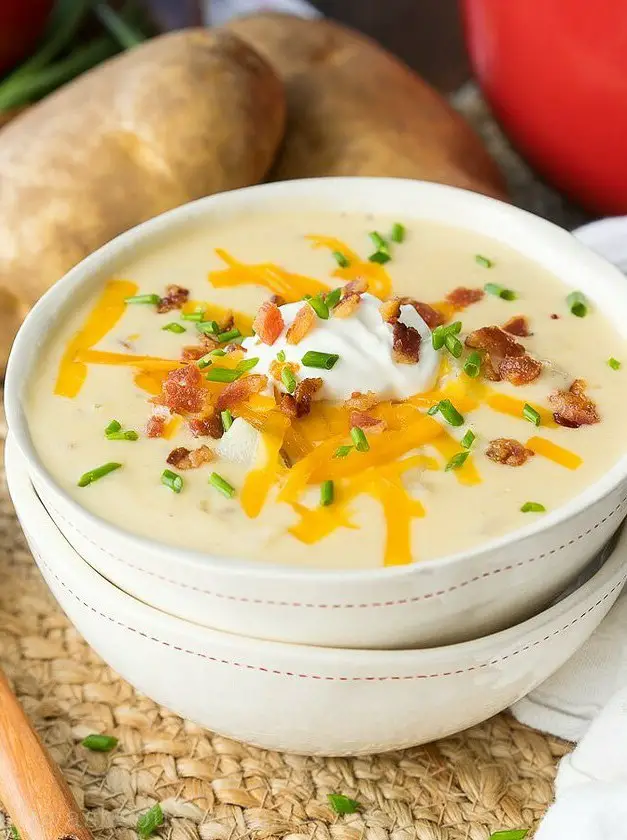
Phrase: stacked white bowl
(340, 662)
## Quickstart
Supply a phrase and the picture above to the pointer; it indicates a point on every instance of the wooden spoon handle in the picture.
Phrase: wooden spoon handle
(32, 788)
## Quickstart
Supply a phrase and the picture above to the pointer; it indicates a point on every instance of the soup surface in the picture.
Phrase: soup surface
(450, 393)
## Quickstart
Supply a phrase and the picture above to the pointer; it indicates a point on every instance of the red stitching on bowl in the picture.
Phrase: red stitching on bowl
(400, 602)
(265, 670)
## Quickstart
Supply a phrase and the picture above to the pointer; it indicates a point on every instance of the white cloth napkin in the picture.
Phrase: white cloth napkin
(586, 700)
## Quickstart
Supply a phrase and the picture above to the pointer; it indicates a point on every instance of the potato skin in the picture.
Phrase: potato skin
(354, 109)
(182, 116)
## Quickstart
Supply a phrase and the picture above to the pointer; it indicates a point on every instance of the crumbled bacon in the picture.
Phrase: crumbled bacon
(189, 459)
(520, 370)
(241, 390)
(357, 286)
(574, 408)
(234, 347)
(277, 300)
(508, 451)
(554, 316)
(268, 323)
(182, 390)
(302, 324)
(365, 421)
(496, 345)
(192, 353)
(208, 426)
(391, 310)
(461, 297)
(155, 427)
(175, 297)
(518, 325)
(347, 305)
(362, 402)
(298, 404)
(405, 344)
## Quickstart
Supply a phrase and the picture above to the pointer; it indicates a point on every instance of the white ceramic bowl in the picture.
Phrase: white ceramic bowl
(304, 699)
(433, 602)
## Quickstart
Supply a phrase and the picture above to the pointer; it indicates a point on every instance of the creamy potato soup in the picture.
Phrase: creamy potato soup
(328, 390)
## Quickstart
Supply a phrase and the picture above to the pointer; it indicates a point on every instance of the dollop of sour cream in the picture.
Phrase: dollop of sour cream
(363, 342)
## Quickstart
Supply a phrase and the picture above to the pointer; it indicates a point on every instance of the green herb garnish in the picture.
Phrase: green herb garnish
(578, 304)
(172, 480)
(530, 414)
(193, 316)
(333, 298)
(210, 328)
(220, 374)
(153, 299)
(342, 804)
(318, 359)
(359, 439)
(229, 335)
(448, 411)
(533, 507)
(379, 242)
(483, 261)
(499, 291)
(205, 361)
(100, 743)
(218, 352)
(280, 356)
(326, 493)
(342, 451)
(173, 327)
(227, 419)
(98, 472)
(340, 259)
(441, 333)
(468, 439)
(113, 426)
(472, 365)
(127, 435)
(247, 364)
(398, 232)
(453, 345)
(222, 485)
(614, 363)
(380, 257)
(457, 461)
(319, 306)
(150, 821)
(289, 380)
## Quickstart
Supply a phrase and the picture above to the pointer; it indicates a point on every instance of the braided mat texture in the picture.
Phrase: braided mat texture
(495, 776)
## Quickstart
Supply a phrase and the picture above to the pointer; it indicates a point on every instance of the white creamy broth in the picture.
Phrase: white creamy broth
(68, 432)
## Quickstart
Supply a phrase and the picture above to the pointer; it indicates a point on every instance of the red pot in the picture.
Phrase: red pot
(21, 25)
(555, 74)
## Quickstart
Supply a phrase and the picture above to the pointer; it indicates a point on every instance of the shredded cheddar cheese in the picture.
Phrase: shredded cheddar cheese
(550, 450)
(379, 283)
(291, 287)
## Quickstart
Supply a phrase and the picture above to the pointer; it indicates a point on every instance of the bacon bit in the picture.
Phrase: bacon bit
(461, 297)
(347, 305)
(175, 297)
(192, 353)
(373, 425)
(155, 426)
(234, 347)
(391, 310)
(554, 316)
(186, 459)
(520, 370)
(299, 404)
(182, 390)
(357, 286)
(496, 345)
(362, 402)
(209, 426)
(508, 451)
(518, 325)
(288, 406)
(268, 323)
(277, 300)
(574, 408)
(241, 390)
(302, 324)
(405, 344)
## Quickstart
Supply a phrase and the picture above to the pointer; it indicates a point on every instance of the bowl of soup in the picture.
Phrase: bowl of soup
(345, 412)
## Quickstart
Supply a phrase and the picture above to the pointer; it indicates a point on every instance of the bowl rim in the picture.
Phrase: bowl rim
(103, 593)
(43, 315)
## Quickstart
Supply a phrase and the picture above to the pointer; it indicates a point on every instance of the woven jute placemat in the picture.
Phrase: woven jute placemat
(494, 776)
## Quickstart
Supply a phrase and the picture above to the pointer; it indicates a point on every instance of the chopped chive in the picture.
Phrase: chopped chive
(150, 821)
(614, 363)
(533, 507)
(440, 334)
(343, 804)
(472, 365)
(154, 299)
(205, 361)
(193, 316)
(327, 493)
(227, 419)
(380, 257)
(340, 259)
(578, 304)
(229, 335)
(173, 327)
(219, 374)
(247, 364)
(211, 328)
(319, 306)
(113, 426)
(128, 435)
(453, 345)
(218, 352)
(499, 291)
(342, 451)
(289, 380)
(318, 359)
(98, 472)
(172, 480)
(359, 439)
(434, 409)
(450, 413)
(379, 242)
(512, 834)
(530, 414)
(280, 356)
(222, 485)
(453, 329)
(398, 232)
(483, 261)
(333, 298)
(468, 439)
(457, 461)
(100, 743)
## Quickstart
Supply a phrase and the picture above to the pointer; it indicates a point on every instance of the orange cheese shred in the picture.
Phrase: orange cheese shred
(291, 287)
(213, 312)
(379, 282)
(550, 450)
(260, 479)
(447, 447)
(510, 405)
